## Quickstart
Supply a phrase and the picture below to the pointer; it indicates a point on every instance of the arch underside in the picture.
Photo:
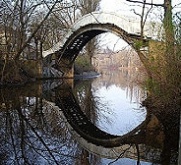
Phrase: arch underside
(82, 36)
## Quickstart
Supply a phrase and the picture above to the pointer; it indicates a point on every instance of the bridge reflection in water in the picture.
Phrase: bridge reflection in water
(140, 143)
(40, 128)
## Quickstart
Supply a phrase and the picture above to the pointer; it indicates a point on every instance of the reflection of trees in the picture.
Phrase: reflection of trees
(169, 117)
(86, 100)
(160, 135)
(90, 105)
(89, 102)
(33, 133)
(125, 79)
(86, 158)
(159, 143)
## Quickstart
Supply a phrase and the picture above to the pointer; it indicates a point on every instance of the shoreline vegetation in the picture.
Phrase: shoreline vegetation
(13, 75)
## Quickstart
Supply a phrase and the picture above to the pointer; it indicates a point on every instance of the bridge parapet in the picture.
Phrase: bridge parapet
(104, 18)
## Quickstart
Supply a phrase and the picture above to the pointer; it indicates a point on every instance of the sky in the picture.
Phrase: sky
(123, 8)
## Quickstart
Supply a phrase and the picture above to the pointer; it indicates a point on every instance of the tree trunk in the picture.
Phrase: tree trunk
(172, 62)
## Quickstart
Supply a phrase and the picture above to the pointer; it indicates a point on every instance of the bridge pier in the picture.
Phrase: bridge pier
(65, 66)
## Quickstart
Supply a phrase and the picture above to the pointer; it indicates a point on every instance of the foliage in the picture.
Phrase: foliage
(138, 44)
(9, 69)
(82, 64)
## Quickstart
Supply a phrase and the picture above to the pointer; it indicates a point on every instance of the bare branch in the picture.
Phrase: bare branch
(146, 15)
(35, 31)
(177, 5)
(134, 11)
(146, 3)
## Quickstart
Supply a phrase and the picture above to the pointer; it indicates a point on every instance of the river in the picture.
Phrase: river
(86, 122)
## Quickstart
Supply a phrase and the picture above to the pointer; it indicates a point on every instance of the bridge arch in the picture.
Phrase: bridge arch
(87, 28)
(83, 35)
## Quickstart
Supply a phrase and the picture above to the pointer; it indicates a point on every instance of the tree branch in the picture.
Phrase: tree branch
(35, 31)
(136, 12)
(177, 5)
(146, 3)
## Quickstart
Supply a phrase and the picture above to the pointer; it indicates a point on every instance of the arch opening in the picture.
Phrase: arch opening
(82, 36)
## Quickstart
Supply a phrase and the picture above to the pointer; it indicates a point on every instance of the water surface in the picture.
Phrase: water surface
(35, 130)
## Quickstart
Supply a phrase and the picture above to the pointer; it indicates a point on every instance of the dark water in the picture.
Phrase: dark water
(89, 122)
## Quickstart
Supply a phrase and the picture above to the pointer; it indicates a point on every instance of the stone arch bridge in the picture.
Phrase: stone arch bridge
(87, 28)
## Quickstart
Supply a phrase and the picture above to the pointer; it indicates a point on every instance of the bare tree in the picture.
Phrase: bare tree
(167, 20)
(143, 16)
(36, 29)
(59, 22)
(16, 37)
